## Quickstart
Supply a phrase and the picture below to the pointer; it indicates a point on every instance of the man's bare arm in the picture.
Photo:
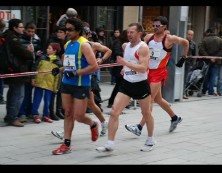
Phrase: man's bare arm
(91, 59)
(173, 39)
(101, 48)
(142, 66)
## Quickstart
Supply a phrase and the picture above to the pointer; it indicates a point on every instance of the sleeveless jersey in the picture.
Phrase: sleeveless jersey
(75, 60)
(159, 55)
(130, 55)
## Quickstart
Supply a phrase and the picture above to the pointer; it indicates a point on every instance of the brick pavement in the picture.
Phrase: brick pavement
(197, 140)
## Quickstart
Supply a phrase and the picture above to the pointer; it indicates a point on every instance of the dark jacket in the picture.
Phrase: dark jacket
(117, 51)
(192, 48)
(191, 52)
(211, 46)
(26, 40)
(20, 55)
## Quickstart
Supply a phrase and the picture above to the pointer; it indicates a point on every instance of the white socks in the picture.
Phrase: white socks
(109, 143)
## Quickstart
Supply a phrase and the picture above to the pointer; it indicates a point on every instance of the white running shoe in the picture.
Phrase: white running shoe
(58, 134)
(104, 128)
(106, 148)
(134, 129)
(148, 146)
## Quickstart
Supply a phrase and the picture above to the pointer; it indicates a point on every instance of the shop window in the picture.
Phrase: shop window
(149, 13)
(106, 18)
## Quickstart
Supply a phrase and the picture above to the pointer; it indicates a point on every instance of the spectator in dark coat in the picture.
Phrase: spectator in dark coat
(2, 101)
(117, 51)
(23, 56)
(29, 37)
(189, 63)
(211, 45)
(115, 36)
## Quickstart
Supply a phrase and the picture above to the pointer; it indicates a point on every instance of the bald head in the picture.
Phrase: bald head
(71, 13)
(190, 34)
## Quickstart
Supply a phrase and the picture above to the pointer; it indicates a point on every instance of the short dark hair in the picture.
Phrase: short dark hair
(13, 23)
(94, 37)
(209, 31)
(163, 20)
(99, 29)
(86, 30)
(86, 24)
(77, 23)
(138, 26)
(123, 37)
(30, 25)
(61, 28)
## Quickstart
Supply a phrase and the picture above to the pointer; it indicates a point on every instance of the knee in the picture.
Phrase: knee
(157, 100)
(78, 118)
(114, 114)
(68, 114)
(90, 104)
(146, 114)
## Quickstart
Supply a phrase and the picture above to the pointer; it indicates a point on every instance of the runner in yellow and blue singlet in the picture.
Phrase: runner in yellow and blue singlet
(79, 62)
(75, 60)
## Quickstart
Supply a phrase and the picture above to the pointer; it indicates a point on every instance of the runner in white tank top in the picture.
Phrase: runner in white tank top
(135, 85)
(131, 56)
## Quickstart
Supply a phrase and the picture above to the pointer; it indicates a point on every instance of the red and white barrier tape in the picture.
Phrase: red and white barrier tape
(207, 57)
(109, 65)
(46, 72)
(100, 66)
(24, 74)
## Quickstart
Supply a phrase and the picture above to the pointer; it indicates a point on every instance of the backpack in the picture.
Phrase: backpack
(8, 64)
(4, 54)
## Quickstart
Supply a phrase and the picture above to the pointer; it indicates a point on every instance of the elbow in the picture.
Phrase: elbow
(144, 70)
(110, 53)
(187, 43)
(95, 67)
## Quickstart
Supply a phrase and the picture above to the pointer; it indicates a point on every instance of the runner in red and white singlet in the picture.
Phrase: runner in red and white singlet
(159, 57)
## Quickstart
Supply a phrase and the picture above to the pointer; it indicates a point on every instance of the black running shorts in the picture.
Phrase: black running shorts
(137, 90)
(79, 92)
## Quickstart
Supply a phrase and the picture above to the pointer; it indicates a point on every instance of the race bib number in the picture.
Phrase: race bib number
(155, 53)
(129, 71)
(69, 61)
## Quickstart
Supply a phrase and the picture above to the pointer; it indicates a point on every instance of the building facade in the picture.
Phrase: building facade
(181, 18)
(45, 17)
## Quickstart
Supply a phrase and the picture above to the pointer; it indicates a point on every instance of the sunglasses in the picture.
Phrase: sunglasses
(157, 26)
(70, 29)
